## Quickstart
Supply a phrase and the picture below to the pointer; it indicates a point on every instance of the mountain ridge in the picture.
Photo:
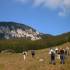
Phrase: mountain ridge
(16, 30)
(9, 30)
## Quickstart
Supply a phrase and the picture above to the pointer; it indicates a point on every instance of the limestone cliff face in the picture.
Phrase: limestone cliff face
(9, 30)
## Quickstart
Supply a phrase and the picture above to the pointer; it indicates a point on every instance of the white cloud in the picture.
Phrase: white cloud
(52, 3)
(67, 3)
(38, 2)
(63, 5)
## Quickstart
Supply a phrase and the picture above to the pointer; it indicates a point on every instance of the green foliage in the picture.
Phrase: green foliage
(18, 45)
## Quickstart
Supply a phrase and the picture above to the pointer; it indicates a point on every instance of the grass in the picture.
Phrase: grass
(15, 61)
(1, 66)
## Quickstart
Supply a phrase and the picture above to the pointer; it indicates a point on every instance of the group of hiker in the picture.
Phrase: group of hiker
(59, 53)
(25, 54)
(56, 53)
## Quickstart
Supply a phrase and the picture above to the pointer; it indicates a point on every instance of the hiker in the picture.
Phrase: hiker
(33, 53)
(24, 55)
(58, 57)
(67, 51)
(56, 50)
(62, 56)
(52, 56)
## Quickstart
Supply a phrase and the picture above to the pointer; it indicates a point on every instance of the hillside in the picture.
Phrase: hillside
(11, 30)
(16, 62)
(18, 45)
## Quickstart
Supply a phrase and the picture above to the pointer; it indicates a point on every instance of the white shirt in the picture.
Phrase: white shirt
(51, 51)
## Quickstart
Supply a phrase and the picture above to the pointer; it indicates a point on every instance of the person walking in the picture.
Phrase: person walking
(52, 56)
(62, 56)
(67, 51)
(24, 55)
(33, 53)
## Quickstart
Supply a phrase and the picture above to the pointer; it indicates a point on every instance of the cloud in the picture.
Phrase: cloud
(51, 3)
(47, 3)
(62, 5)
(67, 3)
(38, 2)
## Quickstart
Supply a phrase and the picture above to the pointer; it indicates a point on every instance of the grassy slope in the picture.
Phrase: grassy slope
(16, 62)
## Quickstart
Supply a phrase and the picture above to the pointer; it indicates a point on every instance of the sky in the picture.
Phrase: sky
(46, 16)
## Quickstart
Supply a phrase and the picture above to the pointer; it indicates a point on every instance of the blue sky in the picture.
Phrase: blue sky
(46, 16)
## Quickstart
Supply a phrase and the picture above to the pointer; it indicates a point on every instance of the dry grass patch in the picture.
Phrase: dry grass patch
(15, 61)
